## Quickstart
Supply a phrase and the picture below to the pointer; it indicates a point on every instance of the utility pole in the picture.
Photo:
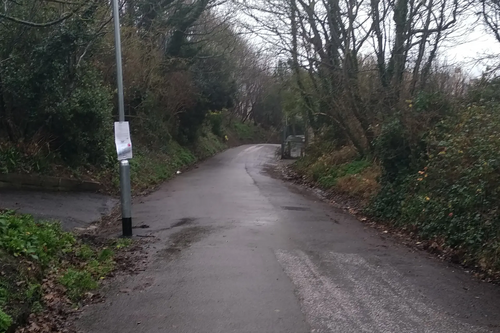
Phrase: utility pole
(125, 189)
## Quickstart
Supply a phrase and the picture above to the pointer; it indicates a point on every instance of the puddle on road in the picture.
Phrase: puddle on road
(183, 239)
(296, 208)
(183, 221)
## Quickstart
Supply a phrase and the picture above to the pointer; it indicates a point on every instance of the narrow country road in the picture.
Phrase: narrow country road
(239, 251)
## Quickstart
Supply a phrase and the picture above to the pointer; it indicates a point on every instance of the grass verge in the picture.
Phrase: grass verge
(341, 172)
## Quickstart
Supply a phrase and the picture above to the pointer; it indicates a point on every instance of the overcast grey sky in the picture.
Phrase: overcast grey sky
(470, 44)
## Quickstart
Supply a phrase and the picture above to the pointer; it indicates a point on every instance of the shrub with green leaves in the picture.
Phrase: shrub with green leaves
(51, 90)
(43, 242)
(456, 195)
(216, 120)
(43, 247)
(5, 321)
(393, 149)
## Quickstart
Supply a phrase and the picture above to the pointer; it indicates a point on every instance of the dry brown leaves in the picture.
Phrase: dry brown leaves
(57, 309)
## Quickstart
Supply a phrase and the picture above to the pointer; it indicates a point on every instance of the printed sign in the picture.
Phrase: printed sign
(123, 141)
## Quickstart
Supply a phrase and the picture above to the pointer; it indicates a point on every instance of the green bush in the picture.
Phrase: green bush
(43, 242)
(44, 247)
(393, 149)
(388, 203)
(456, 195)
(82, 123)
(401, 144)
(216, 120)
(55, 96)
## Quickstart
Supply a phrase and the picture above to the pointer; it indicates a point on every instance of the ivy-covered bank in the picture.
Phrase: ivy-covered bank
(439, 183)
(42, 266)
(152, 163)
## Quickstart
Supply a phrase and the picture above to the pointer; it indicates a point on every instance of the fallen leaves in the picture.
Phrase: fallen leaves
(57, 309)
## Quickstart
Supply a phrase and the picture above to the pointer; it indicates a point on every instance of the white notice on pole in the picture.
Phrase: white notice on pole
(123, 141)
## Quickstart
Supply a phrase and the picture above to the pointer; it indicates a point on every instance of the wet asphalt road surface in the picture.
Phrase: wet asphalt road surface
(236, 250)
(72, 209)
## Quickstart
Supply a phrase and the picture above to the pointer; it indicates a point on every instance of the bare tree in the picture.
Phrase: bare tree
(327, 39)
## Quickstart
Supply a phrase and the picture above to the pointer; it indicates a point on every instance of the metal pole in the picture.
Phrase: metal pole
(125, 189)
(118, 49)
(126, 198)
(284, 138)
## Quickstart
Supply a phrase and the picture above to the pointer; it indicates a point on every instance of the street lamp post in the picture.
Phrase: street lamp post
(125, 189)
